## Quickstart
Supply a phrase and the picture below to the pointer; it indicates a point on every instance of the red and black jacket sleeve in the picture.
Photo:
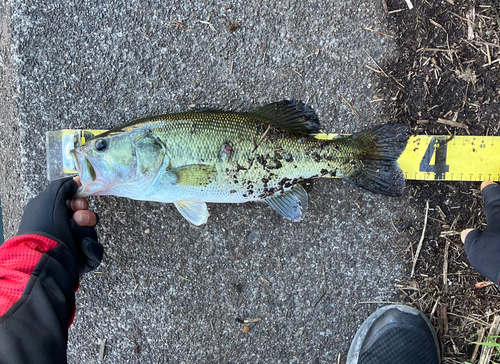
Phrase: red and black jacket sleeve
(38, 280)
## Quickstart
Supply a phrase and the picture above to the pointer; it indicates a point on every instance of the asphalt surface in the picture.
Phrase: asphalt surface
(167, 291)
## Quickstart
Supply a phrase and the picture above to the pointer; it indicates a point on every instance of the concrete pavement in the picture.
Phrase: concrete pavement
(167, 291)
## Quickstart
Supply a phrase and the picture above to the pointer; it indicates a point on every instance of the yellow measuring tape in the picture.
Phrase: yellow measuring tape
(427, 157)
(458, 158)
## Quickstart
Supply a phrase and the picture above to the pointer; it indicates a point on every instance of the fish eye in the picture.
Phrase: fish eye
(101, 145)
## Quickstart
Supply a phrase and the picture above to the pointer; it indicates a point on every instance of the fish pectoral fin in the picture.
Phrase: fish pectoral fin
(291, 204)
(196, 212)
(292, 116)
(194, 175)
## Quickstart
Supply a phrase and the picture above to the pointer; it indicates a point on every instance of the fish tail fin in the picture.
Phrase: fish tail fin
(378, 169)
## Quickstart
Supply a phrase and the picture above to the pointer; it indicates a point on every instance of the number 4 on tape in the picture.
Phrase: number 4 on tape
(458, 158)
(438, 148)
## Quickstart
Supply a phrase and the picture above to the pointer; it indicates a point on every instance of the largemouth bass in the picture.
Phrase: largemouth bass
(196, 157)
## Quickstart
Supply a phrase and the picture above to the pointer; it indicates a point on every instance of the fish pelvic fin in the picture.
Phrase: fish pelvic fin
(196, 212)
(291, 204)
(292, 116)
(377, 168)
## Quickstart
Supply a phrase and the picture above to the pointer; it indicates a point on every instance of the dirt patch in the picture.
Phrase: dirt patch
(448, 69)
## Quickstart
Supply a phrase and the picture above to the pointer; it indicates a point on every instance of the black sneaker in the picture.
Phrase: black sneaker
(395, 334)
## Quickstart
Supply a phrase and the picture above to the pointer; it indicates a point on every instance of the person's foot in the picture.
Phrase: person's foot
(395, 334)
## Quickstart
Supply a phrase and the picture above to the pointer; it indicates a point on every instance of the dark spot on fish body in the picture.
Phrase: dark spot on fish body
(278, 156)
(288, 157)
(240, 168)
(276, 164)
(245, 195)
(322, 144)
(284, 181)
(226, 151)
(264, 180)
(323, 172)
(250, 162)
(317, 157)
(333, 173)
(232, 191)
(262, 160)
(250, 192)
(266, 193)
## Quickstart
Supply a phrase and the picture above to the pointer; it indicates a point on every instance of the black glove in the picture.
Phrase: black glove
(50, 214)
(483, 247)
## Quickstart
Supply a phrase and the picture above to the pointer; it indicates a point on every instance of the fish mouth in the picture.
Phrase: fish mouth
(86, 171)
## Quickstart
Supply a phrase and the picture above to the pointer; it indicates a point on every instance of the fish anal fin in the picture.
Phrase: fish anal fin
(291, 204)
(292, 116)
(194, 174)
(196, 212)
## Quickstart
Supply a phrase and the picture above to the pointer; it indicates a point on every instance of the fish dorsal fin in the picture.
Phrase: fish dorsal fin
(196, 212)
(291, 204)
(194, 175)
(292, 116)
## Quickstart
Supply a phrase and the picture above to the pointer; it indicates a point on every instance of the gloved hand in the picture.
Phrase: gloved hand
(51, 214)
(483, 247)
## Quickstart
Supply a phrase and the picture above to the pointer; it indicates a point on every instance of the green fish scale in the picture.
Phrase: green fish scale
(249, 165)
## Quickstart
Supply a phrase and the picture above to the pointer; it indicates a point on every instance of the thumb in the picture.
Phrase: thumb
(92, 254)
(469, 238)
(63, 190)
(491, 195)
(483, 250)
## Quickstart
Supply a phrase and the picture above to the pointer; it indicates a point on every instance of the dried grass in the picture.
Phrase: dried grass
(453, 44)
